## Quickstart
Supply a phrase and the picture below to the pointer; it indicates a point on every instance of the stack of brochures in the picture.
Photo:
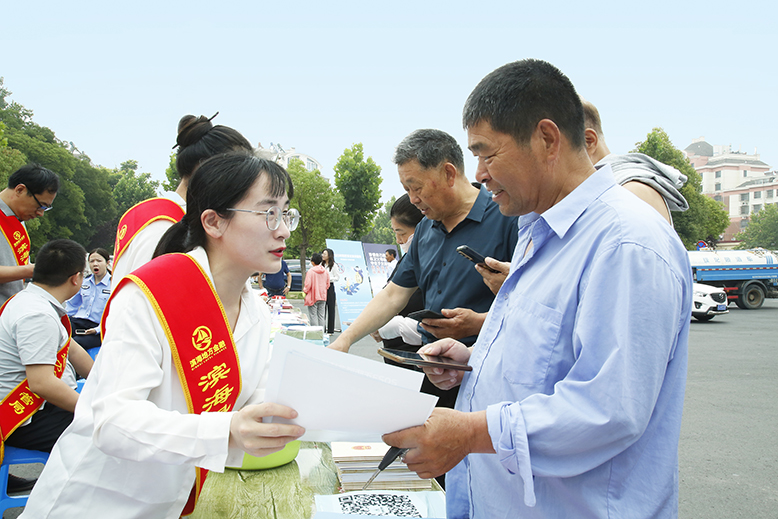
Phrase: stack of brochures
(356, 462)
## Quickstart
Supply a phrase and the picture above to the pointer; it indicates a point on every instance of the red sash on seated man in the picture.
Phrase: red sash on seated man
(140, 216)
(19, 405)
(200, 342)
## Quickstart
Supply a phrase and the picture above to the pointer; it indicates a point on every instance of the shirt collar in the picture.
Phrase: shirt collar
(105, 281)
(563, 215)
(249, 309)
(478, 210)
(40, 292)
(6, 209)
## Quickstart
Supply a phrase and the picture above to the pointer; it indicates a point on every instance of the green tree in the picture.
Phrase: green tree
(382, 226)
(130, 188)
(321, 210)
(359, 181)
(171, 173)
(762, 230)
(705, 219)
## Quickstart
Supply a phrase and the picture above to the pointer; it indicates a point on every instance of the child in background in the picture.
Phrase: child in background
(315, 290)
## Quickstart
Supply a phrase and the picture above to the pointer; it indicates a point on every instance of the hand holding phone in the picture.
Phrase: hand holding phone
(426, 314)
(420, 359)
(475, 256)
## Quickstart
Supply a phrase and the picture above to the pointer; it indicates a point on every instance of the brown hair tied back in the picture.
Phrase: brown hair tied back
(191, 129)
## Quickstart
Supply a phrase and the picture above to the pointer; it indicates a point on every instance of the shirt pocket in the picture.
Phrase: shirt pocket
(532, 330)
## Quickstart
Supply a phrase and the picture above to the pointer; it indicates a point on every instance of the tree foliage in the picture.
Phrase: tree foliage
(171, 174)
(762, 230)
(359, 181)
(381, 231)
(706, 218)
(321, 208)
(90, 199)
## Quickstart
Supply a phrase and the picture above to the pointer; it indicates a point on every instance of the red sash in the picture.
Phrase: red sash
(141, 215)
(17, 237)
(200, 341)
(21, 403)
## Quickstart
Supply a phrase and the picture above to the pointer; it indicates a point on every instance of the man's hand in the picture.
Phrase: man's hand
(251, 435)
(461, 323)
(455, 350)
(286, 290)
(340, 344)
(494, 280)
(443, 441)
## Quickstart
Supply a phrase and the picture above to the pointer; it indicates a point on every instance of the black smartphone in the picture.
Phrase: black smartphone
(426, 314)
(419, 359)
(475, 256)
(80, 331)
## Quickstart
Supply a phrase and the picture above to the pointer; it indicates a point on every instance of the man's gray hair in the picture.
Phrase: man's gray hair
(430, 148)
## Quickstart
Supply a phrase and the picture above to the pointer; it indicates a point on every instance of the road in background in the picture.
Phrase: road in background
(728, 450)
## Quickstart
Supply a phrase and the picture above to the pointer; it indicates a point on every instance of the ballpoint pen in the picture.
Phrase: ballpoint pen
(392, 454)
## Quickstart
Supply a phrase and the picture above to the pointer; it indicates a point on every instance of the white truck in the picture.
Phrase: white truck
(747, 276)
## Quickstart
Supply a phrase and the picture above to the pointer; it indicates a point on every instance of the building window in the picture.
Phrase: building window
(745, 173)
(757, 208)
(718, 174)
(743, 209)
(718, 198)
(744, 197)
(769, 193)
(717, 186)
(310, 165)
(757, 194)
(743, 223)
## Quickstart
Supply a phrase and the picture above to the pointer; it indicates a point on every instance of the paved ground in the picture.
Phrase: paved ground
(728, 451)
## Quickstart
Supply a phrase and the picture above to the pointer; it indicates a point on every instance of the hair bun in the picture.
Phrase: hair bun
(191, 129)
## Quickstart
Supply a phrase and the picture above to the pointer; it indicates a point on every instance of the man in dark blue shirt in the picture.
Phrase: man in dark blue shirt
(431, 168)
(278, 284)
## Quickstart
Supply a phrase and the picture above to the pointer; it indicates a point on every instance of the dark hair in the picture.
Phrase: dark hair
(330, 258)
(316, 258)
(430, 148)
(405, 212)
(221, 182)
(198, 139)
(35, 178)
(57, 260)
(516, 96)
(102, 252)
(591, 117)
(391, 252)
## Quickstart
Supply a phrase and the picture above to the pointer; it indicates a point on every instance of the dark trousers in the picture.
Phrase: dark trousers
(47, 426)
(86, 341)
(330, 309)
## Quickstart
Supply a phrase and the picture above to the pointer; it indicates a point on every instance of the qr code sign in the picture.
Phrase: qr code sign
(378, 504)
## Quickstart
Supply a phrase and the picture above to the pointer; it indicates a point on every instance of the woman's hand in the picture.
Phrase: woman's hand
(248, 433)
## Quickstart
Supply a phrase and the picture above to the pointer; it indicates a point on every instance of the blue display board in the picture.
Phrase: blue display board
(377, 266)
(352, 290)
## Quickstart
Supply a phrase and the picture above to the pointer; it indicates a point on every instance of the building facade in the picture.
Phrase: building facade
(742, 182)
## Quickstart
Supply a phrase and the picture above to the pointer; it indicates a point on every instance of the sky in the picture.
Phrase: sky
(114, 78)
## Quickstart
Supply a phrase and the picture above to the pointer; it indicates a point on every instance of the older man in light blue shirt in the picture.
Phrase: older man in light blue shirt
(573, 407)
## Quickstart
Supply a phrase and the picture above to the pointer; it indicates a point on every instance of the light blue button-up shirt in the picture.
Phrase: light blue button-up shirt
(581, 366)
(90, 301)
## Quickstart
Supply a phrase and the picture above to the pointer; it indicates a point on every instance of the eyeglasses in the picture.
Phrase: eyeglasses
(41, 206)
(274, 215)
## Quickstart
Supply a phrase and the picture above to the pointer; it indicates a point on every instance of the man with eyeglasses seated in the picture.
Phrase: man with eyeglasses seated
(31, 191)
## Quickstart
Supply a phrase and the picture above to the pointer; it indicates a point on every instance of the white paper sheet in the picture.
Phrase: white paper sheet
(342, 397)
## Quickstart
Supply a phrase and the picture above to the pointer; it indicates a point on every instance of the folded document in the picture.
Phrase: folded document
(340, 397)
